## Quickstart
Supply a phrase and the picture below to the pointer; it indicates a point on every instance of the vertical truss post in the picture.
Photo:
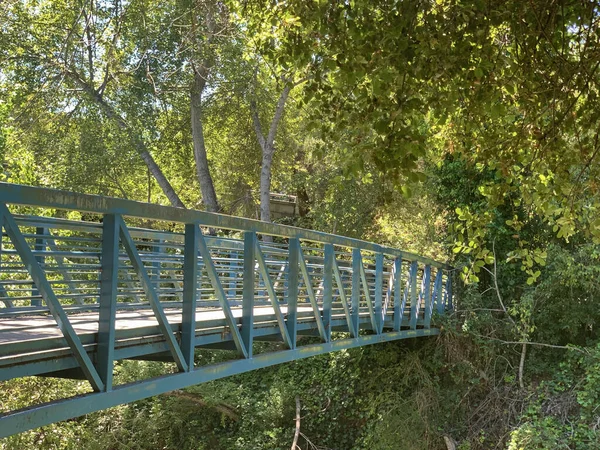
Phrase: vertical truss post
(414, 306)
(356, 265)
(292, 289)
(328, 288)
(379, 293)
(39, 278)
(437, 292)
(427, 296)
(398, 293)
(108, 299)
(40, 246)
(247, 332)
(190, 293)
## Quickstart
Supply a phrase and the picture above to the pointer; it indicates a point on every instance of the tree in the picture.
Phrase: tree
(270, 30)
(508, 87)
(56, 51)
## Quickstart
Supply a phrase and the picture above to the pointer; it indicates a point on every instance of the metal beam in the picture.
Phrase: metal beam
(414, 306)
(328, 258)
(264, 273)
(356, 265)
(108, 298)
(378, 310)
(250, 242)
(52, 198)
(366, 291)
(292, 289)
(190, 293)
(311, 294)
(398, 310)
(343, 297)
(23, 420)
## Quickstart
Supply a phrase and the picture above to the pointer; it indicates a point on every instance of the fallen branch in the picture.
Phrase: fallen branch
(538, 344)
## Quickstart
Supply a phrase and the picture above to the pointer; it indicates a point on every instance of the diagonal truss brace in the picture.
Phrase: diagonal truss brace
(221, 296)
(311, 295)
(338, 278)
(40, 280)
(151, 295)
(264, 273)
(366, 291)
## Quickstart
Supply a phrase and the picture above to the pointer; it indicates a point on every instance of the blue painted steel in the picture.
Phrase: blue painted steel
(311, 294)
(220, 293)
(356, 265)
(268, 283)
(378, 309)
(367, 294)
(4, 298)
(151, 295)
(39, 278)
(40, 246)
(342, 295)
(250, 243)
(398, 308)
(437, 292)
(24, 420)
(61, 268)
(108, 299)
(51, 198)
(328, 258)
(427, 295)
(192, 283)
(414, 306)
(292, 292)
(190, 293)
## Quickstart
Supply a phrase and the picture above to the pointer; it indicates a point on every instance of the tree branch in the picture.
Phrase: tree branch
(297, 433)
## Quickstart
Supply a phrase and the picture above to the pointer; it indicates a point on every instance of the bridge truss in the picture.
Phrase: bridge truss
(87, 281)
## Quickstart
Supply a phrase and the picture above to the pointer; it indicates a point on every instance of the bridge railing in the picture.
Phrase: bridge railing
(65, 255)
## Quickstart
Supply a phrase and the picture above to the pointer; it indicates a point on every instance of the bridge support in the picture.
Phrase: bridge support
(19, 421)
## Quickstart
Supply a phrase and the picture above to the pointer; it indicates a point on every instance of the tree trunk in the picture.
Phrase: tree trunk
(522, 365)
(265, 183)
(140, 146)
(297, 432)
(207, 188)
(267, 144)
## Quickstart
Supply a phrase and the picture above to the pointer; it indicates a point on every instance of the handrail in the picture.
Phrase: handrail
(17, 194)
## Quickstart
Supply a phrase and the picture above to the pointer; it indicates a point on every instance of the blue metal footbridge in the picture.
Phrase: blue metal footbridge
(88, 281)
